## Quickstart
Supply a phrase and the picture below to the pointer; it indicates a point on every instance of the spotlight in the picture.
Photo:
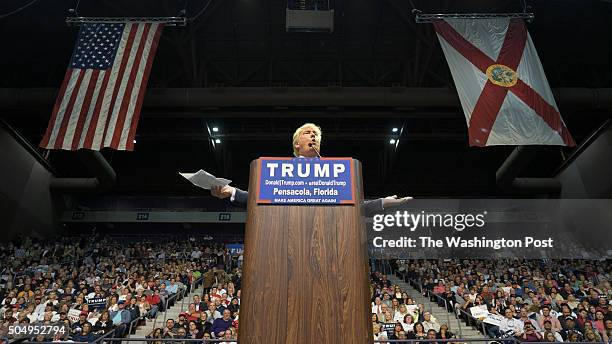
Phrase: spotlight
(215, 129)
(395, 130)
(217, 140)
(134, 140)
(392, 141)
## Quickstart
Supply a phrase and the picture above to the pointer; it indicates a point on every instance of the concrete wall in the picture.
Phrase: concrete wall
(26, 205)
(590, 174)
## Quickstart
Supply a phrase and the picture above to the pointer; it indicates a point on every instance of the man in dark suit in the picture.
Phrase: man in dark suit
(199, 305)
(307, 144)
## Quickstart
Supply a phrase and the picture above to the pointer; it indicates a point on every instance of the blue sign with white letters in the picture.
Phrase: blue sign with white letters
(305, 181)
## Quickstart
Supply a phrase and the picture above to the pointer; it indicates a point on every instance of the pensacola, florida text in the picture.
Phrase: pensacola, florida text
(305, 192)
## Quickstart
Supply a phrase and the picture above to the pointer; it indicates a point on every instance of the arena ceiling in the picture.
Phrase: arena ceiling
(242, 44)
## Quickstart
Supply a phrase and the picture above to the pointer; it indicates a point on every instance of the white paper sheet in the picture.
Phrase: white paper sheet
(204, 179)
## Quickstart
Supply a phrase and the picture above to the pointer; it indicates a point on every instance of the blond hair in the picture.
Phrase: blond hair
(299, 131)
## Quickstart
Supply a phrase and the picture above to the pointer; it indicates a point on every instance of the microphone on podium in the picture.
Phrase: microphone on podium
(312, 144)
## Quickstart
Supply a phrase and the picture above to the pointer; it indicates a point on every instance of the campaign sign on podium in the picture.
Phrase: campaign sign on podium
(306, 181)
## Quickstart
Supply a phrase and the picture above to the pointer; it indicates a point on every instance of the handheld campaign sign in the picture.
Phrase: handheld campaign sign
(99, 302)
(306, 181)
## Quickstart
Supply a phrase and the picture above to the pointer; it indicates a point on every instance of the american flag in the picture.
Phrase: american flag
(99, 102)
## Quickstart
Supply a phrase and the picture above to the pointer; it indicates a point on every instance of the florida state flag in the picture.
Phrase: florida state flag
(501, 83)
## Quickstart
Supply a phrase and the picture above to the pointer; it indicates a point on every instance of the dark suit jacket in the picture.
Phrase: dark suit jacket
(370, 207)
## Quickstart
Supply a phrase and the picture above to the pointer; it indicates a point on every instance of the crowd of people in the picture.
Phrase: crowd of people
(214, 315)
(94, 285)
(395, 314)
(528, 300)
(97, 286)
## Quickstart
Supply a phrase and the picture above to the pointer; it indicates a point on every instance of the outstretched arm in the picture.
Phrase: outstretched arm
(237, 196)
(394, 201)
(222, 192)
(376, 206)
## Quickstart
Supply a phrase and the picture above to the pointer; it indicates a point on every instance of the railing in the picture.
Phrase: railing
(96, 341)
(476, 320)
(181, 296)
(381, 265)
(419, 286)
(101, 338)
(438, 297)
(129, 332)
(173, 297)
(193, 286)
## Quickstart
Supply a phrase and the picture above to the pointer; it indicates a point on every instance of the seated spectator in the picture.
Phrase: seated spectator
(234, 305)
(510, 325)
(155, 333)
(530, 334)
(204, 325)
(104, 324)
(181, 333)
(548, 328)
(154, 300)
(182, 321)
(591, 336)
(228, 337)
(549, 337)
(220, 325)
(377, 305)
(78, 326)
(418, 333)
(408, 323)
(172, 287)
(400, 314)
(396, 330)
(598, 323)
(556, 325)
(212, 312)
(199, 305)
(194, 331)
(444, 333)
(431, 335)
(169, 330)
(146, 309)
(376, 331)
(120, 318)
(133, 309)
(430, 323)
(192, 314)
(85, 335)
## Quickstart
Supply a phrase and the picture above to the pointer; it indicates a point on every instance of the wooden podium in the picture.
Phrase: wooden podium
(305, 272)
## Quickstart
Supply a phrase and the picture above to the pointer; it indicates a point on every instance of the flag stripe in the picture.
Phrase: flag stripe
(100, 98)
(109, 89)
(59, 140)
(60, 97)
(119, 77)
(463, 47)
(548, 113)
(78, 131)
(485, 112)
(142, 58)
(150, 55)
(133, 65)
(89, 116)
(74, 77)
(76, 111)
(484, 115)
(514, 44)
(94, 126)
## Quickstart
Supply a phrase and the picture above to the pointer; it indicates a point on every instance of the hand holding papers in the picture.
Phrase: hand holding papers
(204, 179)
